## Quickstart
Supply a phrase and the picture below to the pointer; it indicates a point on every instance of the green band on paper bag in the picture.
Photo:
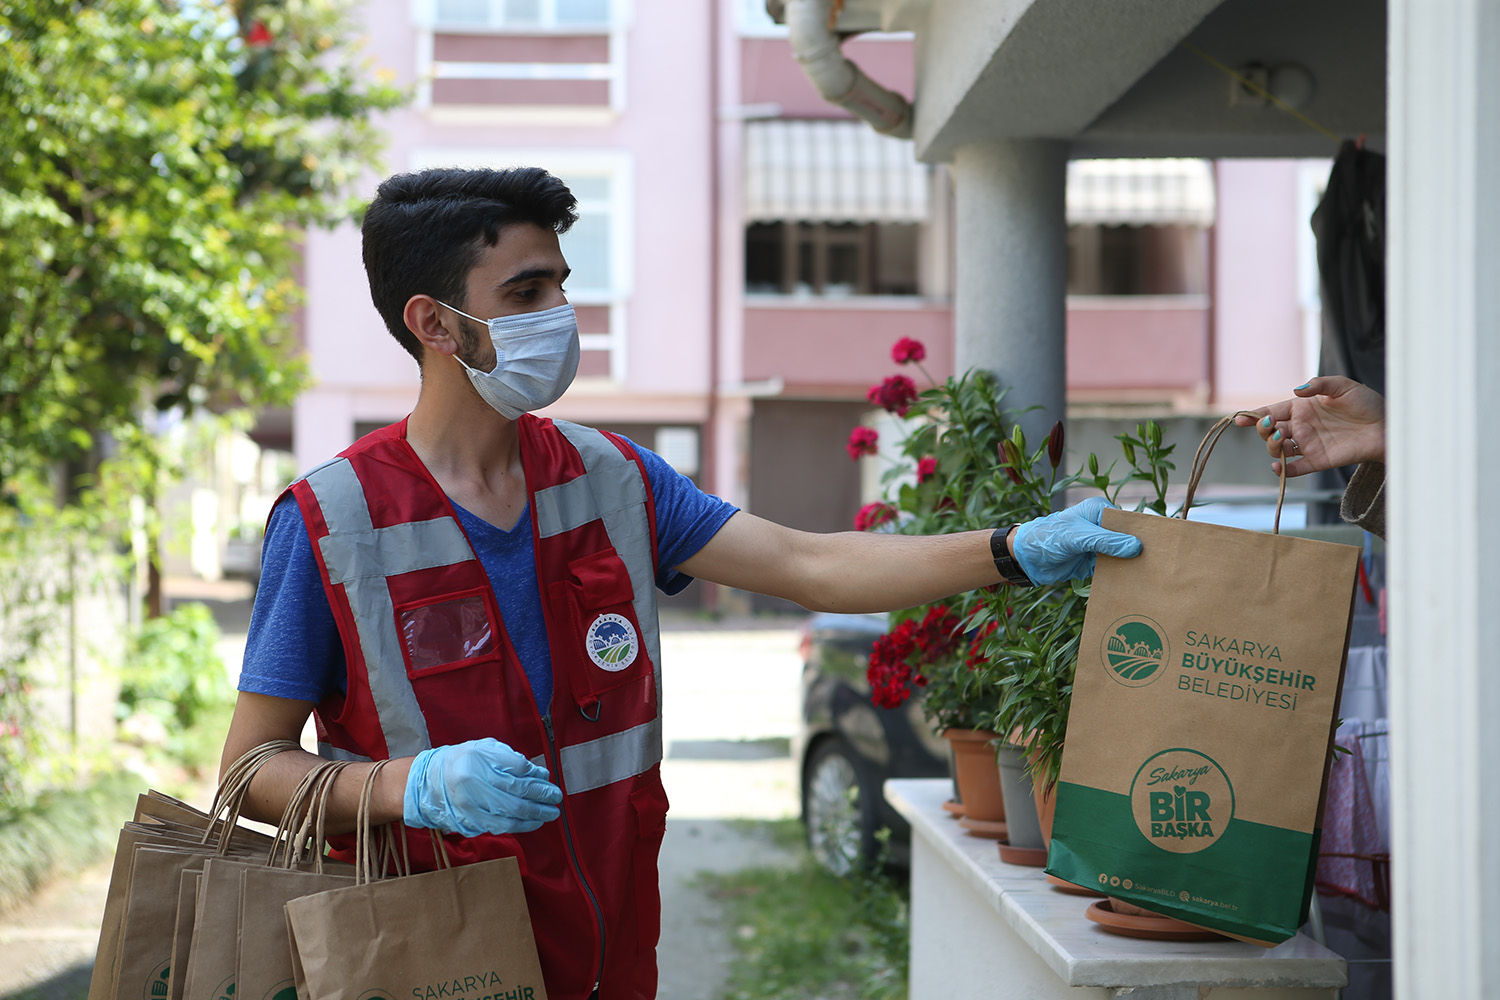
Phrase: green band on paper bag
(1249, 881)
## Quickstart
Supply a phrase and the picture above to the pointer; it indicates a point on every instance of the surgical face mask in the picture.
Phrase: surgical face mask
(536, 357)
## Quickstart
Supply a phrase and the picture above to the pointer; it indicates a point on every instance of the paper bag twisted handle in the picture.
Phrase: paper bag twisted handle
(300, 833)
(1200, 462)
(229, 798)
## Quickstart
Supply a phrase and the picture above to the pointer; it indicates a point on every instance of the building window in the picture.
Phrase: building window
(591, 244)
(1139, 227)
(520, 57)
(831, 258)
(523, 15)
(1137, 260)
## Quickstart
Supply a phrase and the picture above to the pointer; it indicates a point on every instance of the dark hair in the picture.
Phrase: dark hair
(424, 231)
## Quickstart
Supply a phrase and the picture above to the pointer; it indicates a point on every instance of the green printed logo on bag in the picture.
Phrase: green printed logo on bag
(1135, 648)
(1182, 800)
(157, 983)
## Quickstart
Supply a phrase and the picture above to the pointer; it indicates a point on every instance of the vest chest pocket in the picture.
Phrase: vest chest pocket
(599, 590)
(446, 633)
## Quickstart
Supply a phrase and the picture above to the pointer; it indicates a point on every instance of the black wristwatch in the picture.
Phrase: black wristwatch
(1004, 561)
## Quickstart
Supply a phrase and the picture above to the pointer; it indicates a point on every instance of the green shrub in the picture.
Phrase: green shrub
(175, 675)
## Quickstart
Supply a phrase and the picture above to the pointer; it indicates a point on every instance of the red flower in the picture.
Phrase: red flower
(908, 350)
(862, 441)
(1055, 445)
(895, 394)
(926, 469)
(937, 636)
(873, 515)
(259, 36)
(897, 658)
(888, 672)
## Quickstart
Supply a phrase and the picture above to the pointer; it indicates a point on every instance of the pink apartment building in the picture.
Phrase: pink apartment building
(747, 253)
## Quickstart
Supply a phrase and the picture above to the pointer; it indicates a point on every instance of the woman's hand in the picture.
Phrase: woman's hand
(1331, 421)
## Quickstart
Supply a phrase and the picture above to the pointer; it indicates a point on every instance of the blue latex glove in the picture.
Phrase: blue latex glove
(1062, 546)
(482, 786)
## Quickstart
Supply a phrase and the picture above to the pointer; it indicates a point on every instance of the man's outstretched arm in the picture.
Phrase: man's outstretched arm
(854, 571)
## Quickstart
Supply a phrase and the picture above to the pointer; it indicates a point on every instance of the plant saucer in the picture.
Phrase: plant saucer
(1151, 927)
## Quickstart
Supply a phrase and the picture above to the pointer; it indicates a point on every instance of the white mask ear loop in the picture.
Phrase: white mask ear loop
(460, 312)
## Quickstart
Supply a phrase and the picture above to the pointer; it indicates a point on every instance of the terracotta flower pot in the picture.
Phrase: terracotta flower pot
(977, 775)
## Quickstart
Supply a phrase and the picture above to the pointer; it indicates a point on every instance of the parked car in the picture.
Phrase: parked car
(846, 747)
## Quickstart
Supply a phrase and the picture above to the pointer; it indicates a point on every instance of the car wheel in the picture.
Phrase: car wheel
(837, 808)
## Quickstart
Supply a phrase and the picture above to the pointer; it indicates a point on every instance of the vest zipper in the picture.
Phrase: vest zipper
(573, 851)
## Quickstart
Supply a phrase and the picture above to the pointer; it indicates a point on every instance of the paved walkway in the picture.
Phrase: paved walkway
(732, 702)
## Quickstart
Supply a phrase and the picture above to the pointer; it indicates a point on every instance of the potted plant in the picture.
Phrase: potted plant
(998, 660)
(1034, 646)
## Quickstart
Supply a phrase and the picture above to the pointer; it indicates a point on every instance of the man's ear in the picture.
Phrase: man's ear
(430, 323)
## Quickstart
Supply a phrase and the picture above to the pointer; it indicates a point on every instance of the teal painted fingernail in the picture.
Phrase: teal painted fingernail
(1276, 436)
(1265, 421)
(1304, 385)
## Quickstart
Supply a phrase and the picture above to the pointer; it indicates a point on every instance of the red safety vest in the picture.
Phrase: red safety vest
(429, 664)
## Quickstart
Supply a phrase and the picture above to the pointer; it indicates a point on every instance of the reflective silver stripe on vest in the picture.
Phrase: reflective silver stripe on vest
(612, 758)
(358, 555)
(612, 489)
(330, 752)
(619, 497)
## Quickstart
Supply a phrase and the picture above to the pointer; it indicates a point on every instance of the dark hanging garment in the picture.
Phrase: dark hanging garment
(1349, 225)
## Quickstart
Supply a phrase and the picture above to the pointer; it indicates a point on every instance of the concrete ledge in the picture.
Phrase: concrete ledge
(1078, 951)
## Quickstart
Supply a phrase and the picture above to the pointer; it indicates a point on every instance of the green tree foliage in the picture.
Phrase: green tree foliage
(159, 161)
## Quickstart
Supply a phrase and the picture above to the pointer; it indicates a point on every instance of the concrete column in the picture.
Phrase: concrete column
(1010, 298)
(1443, 364)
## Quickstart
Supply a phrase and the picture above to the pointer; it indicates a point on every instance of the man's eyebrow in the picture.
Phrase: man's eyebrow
(533, 273)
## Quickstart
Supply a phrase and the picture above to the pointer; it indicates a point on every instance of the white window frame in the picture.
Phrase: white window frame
(619, 169)
(428, 68)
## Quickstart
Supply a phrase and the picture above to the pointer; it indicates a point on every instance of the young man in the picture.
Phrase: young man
(470, 593)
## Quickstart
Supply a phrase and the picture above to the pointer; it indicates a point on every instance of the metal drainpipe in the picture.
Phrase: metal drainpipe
(816, 47)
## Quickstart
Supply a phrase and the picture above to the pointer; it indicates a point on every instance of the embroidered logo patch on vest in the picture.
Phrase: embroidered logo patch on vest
(612, 643)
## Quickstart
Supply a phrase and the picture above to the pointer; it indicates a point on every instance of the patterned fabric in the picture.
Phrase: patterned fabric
(1351, 861)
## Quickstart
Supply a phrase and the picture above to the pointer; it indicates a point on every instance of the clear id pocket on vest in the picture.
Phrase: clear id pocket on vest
(452, 631)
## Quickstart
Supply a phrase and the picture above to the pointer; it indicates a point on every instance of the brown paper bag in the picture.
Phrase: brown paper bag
(181, 838)
(182, 935)
(148, 929)
(262, 948)
(1201, 723)
(216, 928)
(264, 965)
(461, 932)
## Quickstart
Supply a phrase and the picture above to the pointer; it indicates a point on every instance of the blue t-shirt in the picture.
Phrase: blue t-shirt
(293, 648)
